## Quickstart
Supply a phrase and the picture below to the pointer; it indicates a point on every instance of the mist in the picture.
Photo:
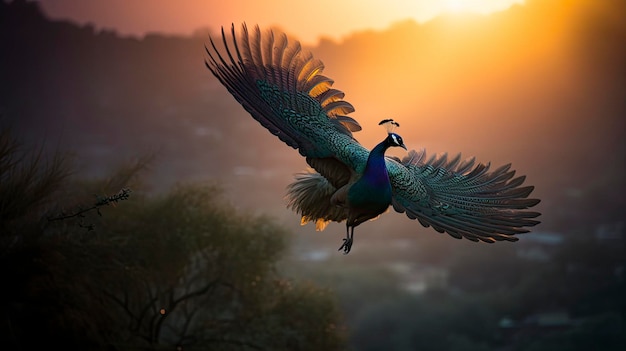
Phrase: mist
(541, 86)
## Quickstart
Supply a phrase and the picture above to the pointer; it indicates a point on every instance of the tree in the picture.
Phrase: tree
(177, 270)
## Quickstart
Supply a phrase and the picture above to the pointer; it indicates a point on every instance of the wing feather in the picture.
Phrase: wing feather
(233, 76)
(282, 87)
(462, 199)
(279, 50)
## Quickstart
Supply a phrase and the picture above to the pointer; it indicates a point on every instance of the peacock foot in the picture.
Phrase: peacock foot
(346, 246)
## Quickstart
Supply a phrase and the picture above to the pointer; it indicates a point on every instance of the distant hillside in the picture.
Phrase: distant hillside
(523, 86)
(108, 99)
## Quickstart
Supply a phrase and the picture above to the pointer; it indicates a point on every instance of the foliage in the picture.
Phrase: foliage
(27, 179)
(124, 194)
(178, 270)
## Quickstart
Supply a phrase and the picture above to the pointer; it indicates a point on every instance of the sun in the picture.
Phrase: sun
(422, 11)
(476, 6)
(454, 5)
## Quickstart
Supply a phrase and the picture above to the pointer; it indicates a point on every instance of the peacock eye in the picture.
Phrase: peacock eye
(397, 139)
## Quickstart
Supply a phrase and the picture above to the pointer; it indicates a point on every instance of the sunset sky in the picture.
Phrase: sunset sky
(514, 80)
(458, 83)
(307, 20)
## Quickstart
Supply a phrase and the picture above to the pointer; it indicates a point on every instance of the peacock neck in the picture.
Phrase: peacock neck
(372, 192)
(376, 169)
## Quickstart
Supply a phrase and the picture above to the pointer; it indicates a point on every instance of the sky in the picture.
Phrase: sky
(307, 20)
(532, 85)
(444, 75)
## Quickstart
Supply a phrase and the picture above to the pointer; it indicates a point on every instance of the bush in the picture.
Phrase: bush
(178, 270)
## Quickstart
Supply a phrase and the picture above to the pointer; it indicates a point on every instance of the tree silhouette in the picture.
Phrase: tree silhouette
(179, 270)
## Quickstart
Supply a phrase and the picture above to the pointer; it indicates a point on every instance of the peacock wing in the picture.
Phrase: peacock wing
(462, 198)
(282, 87)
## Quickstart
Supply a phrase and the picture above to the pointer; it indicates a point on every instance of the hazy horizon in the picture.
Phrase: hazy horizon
(299, 19)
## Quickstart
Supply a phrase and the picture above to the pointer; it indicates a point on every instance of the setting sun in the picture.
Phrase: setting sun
(454, 5)
(419, 10)
(475, 6)
(328, 18)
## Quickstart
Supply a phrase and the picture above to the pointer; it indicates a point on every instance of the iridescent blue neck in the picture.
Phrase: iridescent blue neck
(375, 169)
(372, 192)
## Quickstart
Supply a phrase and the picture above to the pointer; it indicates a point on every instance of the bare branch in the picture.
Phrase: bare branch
(124, 194)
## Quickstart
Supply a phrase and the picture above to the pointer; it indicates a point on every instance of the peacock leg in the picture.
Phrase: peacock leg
(348, 240)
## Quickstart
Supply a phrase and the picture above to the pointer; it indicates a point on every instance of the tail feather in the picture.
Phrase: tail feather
(310, 196)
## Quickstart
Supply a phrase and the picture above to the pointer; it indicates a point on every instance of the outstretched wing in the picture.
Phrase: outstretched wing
(282, 87)
(461, 198)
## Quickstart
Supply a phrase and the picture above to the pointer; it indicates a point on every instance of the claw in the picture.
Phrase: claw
(347, 241)
(346, 246)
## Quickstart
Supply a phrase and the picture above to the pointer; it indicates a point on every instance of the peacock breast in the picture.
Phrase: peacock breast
(372, 194)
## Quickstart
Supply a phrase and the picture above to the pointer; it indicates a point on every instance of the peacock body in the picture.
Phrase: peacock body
(282, 87)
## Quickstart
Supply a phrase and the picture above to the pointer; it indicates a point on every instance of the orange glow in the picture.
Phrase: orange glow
(305, 20)
(495, 79)
(433, 72)
(456, 82)
(473, 6)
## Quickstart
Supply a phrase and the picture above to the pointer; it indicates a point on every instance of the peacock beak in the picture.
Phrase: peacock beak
(404, 147)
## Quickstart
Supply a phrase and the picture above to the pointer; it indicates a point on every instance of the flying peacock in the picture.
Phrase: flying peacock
(282, 87)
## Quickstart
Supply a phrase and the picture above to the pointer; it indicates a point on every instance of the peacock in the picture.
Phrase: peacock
(283, 88)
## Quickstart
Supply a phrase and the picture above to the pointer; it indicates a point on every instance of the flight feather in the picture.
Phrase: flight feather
(283, 88)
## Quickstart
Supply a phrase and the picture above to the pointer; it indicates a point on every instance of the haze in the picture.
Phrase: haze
(533, 84)
(539, 84)
(305, 20)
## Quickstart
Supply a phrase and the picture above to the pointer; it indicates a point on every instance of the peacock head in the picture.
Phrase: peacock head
(393, 139)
